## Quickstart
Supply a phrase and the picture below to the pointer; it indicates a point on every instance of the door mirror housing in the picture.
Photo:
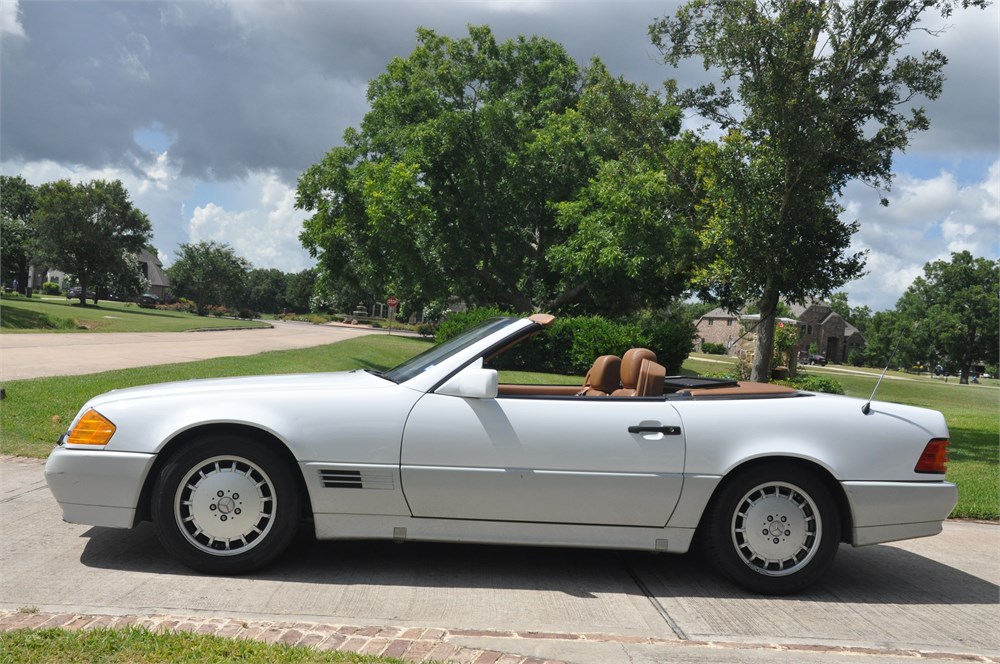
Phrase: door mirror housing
(472, 383)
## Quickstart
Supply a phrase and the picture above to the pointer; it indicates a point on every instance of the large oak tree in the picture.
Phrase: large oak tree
(812, 94)
(455, 182)
(17, 204)
(949, 315)
(209, 273)
(90, 230)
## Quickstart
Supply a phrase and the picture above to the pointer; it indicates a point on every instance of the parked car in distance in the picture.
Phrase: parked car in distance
(74, 293)
(772, 479)
(149, 300)
(812, 358)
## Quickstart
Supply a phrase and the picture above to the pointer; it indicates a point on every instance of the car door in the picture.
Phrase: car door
(579, 460)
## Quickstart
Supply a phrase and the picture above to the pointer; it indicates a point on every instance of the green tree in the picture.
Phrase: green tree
(266, 290)
(127, 280)
(813, 94)
(89, 230)
(210, 273)
(630, 240)
(17, 203)
(452, 184)
(299, 289)
(949, 315)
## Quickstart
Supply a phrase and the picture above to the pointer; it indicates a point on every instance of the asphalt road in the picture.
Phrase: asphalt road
(939, 596)
(37, 355)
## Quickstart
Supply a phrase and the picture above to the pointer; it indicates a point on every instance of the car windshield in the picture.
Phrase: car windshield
(435, 354)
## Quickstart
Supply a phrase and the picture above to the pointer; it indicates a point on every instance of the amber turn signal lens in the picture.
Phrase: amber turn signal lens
(92, 429)
(934, 458)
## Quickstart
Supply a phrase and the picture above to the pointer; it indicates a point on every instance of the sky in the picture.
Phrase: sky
(208, 110)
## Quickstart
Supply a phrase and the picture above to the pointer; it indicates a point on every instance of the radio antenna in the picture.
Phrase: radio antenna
(867, 408)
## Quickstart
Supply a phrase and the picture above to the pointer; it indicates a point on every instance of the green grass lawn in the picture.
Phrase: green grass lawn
(137, 645)
(36, 411)
(57, 314)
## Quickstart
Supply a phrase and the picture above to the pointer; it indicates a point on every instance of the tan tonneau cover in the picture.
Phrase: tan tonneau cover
(743, 388)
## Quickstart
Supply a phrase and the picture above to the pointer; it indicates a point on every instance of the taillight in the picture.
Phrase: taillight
(934, 458)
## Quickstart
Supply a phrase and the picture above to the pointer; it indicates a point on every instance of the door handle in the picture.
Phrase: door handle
(667, 431)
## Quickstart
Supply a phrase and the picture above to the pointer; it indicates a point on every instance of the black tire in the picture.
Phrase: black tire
(773, 529)
(226, 505)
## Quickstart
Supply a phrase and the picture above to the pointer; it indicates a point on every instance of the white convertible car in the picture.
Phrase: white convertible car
(771, 479)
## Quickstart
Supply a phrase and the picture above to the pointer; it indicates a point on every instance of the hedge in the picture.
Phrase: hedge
(571, 344)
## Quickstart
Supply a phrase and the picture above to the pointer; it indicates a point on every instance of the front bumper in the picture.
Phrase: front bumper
(97, 487)
(890, 511)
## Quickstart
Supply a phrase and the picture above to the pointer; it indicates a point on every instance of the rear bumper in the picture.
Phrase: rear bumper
(890, 511)
(97, 487)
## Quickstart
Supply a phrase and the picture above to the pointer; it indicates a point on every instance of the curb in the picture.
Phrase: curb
(418, 644)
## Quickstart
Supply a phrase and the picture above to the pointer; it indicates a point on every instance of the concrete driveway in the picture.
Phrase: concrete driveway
(936, 597)
(930, 598)
(37, 355)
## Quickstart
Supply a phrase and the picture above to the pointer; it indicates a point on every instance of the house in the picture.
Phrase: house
(153, 270)
(719, 326)
(818, 323)
(149, 263)
(834, 337)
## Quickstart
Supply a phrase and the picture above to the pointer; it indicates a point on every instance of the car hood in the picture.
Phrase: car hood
(205, 388)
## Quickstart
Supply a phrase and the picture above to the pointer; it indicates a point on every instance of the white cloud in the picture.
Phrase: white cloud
(10, 19)
(927, 220)
(265, 231)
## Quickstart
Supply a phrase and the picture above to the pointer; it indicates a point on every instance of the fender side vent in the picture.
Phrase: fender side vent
(356, 479)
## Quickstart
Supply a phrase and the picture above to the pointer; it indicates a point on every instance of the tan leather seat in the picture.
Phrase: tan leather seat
(603, 377)
(631, 365)
(651, 376)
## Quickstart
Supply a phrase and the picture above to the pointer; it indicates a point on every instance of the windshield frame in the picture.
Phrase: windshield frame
(433, 356)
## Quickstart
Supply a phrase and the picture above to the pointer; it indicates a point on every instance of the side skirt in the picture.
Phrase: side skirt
(402, 529)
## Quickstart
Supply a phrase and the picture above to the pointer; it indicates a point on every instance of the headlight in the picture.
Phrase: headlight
(92, 429)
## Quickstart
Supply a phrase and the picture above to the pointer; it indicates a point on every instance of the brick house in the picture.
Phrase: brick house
(821, 325)
(818, 324)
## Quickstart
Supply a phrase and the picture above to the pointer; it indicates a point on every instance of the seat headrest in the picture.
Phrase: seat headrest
(604, 374)
(632, 363)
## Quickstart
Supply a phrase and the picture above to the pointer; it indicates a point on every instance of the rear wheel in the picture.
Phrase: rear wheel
(774, 530)
(226, 505)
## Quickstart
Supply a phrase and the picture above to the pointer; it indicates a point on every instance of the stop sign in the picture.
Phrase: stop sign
(392, 301)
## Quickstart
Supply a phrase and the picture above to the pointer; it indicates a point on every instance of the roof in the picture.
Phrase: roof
(154, 268)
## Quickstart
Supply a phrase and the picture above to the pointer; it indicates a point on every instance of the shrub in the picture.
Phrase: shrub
(183, 304)
(427, 329)
(51, 288)
(248, 314)
(713, 349)
(671, 336)
(572, 343)
(814, 383)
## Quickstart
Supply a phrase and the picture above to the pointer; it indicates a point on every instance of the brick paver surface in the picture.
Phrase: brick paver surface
(410, 644)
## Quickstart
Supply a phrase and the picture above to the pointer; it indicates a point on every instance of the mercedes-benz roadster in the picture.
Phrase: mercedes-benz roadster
(771, 479)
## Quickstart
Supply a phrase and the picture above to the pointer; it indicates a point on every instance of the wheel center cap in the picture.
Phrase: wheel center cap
(226, 505)
(776, 529)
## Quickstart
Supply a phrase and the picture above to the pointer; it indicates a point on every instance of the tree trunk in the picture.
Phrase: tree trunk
(764, 346)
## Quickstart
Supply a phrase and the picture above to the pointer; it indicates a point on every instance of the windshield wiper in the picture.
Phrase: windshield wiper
(380, 374)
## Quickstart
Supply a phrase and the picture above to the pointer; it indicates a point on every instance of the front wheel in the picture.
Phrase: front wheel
(774, 529)
(226, 505)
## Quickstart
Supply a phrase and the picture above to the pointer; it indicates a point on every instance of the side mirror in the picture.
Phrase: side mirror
(472, 383)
